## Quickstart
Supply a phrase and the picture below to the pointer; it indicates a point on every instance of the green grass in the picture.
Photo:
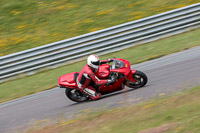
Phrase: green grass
(179, 113)
(25, 24)
(48, 79)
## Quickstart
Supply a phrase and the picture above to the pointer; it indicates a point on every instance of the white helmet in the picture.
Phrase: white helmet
(93, 61)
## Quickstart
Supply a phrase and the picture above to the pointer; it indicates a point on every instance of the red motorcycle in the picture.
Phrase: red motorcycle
(120, 68)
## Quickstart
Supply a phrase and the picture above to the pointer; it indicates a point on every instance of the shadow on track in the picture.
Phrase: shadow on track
(108, 95)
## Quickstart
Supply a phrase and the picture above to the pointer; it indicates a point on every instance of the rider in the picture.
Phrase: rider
(87, 75)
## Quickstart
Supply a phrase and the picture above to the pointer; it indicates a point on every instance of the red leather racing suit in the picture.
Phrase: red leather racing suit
(87, 75)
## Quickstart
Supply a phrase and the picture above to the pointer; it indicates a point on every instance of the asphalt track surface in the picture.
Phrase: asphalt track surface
(167, 75)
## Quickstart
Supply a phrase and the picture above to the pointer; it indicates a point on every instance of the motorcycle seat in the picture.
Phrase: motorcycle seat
(75, 76)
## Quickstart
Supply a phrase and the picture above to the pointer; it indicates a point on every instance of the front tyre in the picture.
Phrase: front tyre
(76, 95)
(140, 80)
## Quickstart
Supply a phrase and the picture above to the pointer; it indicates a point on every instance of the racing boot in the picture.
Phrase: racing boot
(92, 93)
(97, 96)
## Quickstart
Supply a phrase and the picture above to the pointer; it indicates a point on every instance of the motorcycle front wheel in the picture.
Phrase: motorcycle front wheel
(76, 95)
(140, 80)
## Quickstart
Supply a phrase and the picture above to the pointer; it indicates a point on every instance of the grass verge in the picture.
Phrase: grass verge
(179, 113)
(48, 79)
(25, 24)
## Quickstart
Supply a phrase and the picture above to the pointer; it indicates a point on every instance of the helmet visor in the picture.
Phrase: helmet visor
(97, 63)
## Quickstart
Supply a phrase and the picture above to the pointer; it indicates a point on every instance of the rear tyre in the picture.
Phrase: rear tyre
(76, 95)
(140, 80)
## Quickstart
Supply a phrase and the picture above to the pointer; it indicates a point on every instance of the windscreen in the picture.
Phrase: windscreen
(117, 64)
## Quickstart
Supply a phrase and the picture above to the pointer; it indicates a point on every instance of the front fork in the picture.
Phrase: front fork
(130, 76)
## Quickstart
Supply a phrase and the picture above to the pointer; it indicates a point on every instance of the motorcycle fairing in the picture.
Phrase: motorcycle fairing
(125, 69)
(118, 85)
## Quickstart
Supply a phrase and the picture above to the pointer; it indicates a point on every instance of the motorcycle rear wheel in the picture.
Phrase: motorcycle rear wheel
(76, 95)
(140, 80)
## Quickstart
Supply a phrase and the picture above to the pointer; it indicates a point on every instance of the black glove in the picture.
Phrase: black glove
(110, 60)
(111, 80)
